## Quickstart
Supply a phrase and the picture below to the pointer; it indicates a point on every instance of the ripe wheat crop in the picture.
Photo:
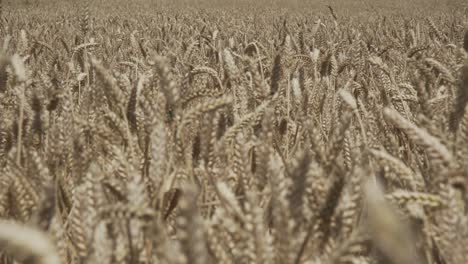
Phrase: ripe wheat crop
(163, 132)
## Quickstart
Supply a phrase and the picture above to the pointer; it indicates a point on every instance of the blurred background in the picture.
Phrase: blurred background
(349, 5)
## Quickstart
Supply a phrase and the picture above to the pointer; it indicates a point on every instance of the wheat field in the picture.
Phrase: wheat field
(213, 131)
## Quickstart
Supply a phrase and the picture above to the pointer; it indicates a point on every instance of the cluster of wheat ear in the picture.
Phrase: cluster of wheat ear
(220, 136)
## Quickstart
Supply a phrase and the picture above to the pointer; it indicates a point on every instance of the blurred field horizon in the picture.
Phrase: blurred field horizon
(317, 5)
